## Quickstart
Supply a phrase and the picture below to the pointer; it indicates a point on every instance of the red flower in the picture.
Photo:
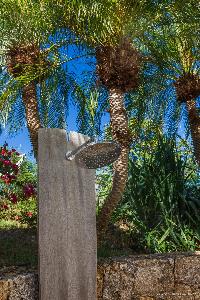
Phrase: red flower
(6, 178)
(7, 163)
(29, 190)
(29, 214)
(17, 218)
(5, 206)
(15, 166)
(3, 152)
(13, 198)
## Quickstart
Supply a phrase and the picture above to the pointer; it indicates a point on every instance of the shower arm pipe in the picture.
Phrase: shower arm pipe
(70, 155)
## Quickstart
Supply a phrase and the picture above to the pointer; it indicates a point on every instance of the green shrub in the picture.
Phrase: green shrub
(161, 202)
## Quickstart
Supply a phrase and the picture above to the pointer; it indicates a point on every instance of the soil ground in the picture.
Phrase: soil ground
(18, 246)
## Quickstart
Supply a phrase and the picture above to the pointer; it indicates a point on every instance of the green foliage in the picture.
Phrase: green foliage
(161, 202)
(23, 21)
(91, 22)
(176, 237)
(27, 173)
(159, 181)
(91, 106)
(171, 48)
(99, 23)
(104, 184)
(22, 214)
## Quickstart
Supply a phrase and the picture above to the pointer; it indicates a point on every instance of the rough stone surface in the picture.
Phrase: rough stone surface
(140, 275)
(4, 289)
(143, 277)
(21, 287)
(187, 273)
(18, 284)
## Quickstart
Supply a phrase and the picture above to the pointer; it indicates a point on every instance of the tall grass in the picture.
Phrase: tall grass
(162, 197)
(163, 185)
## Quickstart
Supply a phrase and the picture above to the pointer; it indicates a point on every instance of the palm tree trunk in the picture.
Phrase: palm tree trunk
(121, 134)
(32, 116)
(194, 121)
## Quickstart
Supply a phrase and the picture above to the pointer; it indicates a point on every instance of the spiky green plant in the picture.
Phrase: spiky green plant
(161, 200)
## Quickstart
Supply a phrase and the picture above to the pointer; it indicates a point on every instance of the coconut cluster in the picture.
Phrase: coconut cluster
(118, 67)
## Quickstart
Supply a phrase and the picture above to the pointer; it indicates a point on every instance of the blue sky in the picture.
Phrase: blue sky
(21, 141)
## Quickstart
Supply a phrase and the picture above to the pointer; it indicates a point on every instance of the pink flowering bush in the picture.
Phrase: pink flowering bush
(18, 191)
(8, 164)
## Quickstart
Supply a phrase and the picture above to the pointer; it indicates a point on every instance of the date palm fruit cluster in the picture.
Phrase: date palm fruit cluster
(21, 58)
(187, 87)
(118, 67)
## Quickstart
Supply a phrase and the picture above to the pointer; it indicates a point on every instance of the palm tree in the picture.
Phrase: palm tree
(105, 27)
(18, 57)
(23, 27)
(118, 67)
(174, 48)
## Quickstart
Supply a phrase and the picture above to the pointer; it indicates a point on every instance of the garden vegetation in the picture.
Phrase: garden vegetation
(141, 63)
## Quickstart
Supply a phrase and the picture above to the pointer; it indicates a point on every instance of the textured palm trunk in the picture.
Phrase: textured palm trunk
(120, 133)
(18, 58)
(194, 121)
(32, 115)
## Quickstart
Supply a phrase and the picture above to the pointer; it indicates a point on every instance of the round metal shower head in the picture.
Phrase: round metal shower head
(96, 155)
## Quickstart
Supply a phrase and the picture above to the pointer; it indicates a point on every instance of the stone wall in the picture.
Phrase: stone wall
(150, 277)
(143, 277)
(18, 283)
